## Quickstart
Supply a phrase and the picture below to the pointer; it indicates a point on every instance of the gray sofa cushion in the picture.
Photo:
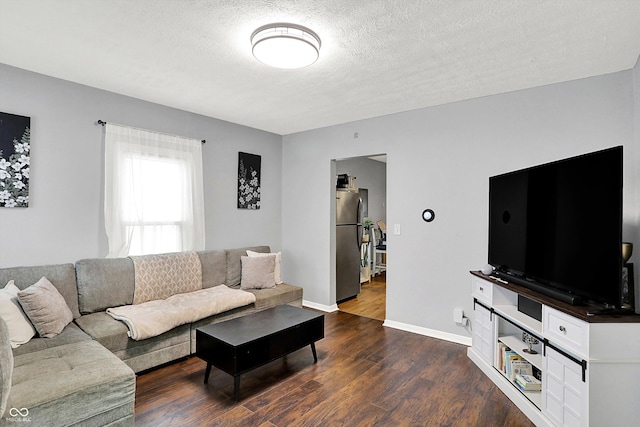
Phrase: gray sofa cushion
(62, 276)
(6, 366)
(70, 334)
(281, 294)
(234, 263)
(104, 283)
(139, 355)
(214, 268)
(78, 383)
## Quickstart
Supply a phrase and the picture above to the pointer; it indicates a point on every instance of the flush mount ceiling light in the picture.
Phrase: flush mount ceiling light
(285, 45)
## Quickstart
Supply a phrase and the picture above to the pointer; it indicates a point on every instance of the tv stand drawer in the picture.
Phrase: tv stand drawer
(483, 290)
(566, 331)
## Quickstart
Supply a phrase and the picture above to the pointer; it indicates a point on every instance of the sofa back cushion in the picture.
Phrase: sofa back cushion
(62, 276)
(234, 263)
(159, 276)
(104, 283)
(214, 268)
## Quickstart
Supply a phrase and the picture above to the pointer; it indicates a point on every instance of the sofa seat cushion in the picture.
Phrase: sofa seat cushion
(81, 382)
(139, 355)
(70, 334)
(281, 294)
(6, 366)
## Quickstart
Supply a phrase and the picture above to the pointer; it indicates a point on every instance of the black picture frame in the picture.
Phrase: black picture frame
(249, 191)
(15, 155)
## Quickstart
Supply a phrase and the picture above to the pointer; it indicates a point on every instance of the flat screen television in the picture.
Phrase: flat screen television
(557, 227)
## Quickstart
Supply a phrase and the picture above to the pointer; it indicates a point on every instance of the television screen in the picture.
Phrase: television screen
(559, 225)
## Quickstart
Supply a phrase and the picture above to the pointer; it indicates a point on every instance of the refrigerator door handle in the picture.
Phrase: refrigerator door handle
(359, 228)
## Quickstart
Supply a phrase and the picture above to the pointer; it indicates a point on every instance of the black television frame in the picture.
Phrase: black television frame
(536, 213)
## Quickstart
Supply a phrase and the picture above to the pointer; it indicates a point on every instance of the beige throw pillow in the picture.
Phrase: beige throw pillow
(20, 328)
(258, 272)
(46, 308)
(277, 276)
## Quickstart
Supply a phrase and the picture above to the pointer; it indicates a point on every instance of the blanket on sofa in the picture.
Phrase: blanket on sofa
(153, 318)
(159, 276)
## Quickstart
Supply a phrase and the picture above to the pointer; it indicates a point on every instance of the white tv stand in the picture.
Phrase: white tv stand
(589, 365)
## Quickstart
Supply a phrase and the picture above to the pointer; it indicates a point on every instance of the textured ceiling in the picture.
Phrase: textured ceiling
(377, 57)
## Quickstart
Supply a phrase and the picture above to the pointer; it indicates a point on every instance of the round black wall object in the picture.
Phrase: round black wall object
(428, 215)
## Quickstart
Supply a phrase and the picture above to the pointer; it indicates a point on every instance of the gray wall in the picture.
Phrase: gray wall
(441, 158)
(372, 175)
(438, 157)
(65, 222)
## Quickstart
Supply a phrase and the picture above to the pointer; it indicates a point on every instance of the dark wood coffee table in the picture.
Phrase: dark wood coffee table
(239, 345)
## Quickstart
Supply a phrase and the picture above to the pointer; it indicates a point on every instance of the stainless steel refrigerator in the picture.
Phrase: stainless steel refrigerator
(348, 240)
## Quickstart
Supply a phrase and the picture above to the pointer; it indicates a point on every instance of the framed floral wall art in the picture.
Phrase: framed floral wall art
(15, 148)
(248, 181)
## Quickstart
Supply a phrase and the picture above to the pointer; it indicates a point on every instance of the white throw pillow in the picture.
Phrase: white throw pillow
(277, 276)
(20, 328)
(257, 272)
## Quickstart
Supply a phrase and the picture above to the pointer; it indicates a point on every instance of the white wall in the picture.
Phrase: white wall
(441, 158)
(64, 221)
(372, 175)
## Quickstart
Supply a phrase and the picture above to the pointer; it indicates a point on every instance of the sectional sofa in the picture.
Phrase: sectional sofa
(85, 375)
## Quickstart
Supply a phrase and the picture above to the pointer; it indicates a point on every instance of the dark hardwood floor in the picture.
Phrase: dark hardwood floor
(366, 375)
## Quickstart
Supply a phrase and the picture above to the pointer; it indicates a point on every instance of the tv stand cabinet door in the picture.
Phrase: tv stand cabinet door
(483, 338)
(565, 394)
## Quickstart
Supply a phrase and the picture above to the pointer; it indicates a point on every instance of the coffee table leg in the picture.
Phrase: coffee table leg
(207, 372)
(236, 387)
(313, 349)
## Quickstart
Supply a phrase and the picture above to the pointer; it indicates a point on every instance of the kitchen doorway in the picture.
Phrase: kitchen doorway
(371, 301)
(369, 175)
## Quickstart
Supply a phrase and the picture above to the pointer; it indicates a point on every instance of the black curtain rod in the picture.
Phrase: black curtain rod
(102, 123)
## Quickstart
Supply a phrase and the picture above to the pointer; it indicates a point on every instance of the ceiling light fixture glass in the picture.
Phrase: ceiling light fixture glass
(285, 45)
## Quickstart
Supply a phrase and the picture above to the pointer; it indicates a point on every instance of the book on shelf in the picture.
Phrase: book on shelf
(501, 352)
(510, 358)
(520, 367)
(528, 382)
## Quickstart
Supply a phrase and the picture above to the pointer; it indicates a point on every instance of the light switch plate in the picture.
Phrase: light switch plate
(396, 229)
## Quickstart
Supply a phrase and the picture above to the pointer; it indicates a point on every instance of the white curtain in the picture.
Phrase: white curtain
(154, 200)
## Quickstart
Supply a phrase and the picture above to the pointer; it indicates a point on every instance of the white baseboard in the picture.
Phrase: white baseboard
(459, 339)
(321, 307)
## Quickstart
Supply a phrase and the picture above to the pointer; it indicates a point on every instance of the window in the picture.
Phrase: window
(154, 200)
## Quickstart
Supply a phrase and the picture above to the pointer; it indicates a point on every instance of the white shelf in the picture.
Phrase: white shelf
(534, 396)
(511, 312)
(516, 344)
